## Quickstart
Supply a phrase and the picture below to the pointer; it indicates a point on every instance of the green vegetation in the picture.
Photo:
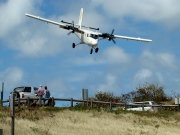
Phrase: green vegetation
(146, 92)
(37, 113)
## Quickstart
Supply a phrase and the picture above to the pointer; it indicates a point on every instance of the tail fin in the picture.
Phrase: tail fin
(80, 18)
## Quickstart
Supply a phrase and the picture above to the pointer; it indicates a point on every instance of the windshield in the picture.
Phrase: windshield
(94, 36)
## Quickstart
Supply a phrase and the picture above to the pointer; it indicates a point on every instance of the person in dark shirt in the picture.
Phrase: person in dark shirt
(46, 93)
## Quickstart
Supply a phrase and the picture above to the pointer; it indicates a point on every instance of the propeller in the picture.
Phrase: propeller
(72, 28)
(109, 36)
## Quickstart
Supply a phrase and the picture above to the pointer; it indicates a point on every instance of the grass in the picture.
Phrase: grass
(80, 120)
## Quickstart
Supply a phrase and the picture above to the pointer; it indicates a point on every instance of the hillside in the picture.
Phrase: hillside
(56, 121)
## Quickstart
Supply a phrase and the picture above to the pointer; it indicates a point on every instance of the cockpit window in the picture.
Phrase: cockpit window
(94, 36)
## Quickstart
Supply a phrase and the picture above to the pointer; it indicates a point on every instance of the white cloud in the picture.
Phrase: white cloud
(12, 77)
(26, 35)
(167, 59)
(12, 14)
(109, 83)
(143, 74)
(58, 87)
(166, 12)
(111, 55)
(85, 61)
(115, 55)
(159, 60)
(159, 77)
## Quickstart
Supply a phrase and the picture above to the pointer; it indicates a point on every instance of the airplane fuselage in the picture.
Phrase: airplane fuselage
(89, 38)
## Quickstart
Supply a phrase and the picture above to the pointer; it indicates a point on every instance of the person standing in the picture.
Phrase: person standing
(47, 93)
(40, 92)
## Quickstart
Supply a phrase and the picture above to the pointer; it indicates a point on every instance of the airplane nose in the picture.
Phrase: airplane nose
(94, 42)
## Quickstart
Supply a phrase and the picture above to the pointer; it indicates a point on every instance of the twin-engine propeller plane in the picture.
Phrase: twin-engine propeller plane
(87, 35)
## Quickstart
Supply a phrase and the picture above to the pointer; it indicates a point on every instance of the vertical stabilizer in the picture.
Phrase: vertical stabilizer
(80, 18)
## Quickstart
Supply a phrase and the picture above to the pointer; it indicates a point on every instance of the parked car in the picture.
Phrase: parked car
(138, 106)
(24, 92)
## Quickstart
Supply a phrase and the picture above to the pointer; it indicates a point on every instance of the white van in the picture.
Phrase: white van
(137, 106)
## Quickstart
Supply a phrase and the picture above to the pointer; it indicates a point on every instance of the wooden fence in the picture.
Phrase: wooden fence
(90, 103)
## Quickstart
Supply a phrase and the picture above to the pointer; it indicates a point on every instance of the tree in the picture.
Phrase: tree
(106, 97)
(147, 92)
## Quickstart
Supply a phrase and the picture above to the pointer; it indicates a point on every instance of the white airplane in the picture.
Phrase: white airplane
(87, 35)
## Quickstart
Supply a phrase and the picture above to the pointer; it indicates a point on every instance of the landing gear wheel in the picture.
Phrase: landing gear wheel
(96, 50)
(91, 51)
(73, 45)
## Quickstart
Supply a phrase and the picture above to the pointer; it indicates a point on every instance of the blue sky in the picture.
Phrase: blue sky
(34, 52)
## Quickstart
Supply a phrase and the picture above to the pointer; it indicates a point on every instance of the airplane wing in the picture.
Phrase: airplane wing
(112, 37)
(69, 26)
(133, 38)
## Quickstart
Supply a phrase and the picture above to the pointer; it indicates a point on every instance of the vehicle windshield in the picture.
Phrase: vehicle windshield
(94, 36)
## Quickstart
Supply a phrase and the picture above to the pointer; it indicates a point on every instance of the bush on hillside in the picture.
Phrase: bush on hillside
(146, 92)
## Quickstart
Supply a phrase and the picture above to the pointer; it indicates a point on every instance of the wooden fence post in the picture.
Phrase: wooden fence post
(1, 101)
(1, 131)
(87, 102)
(83, 102)
(91, 103)
(142, 107)
(19, 103)
(2, 93)
(52, 101)
(28, 102)
(71, 102)
(160, 107)
(178, 104)
(110, 105)
(125, 107)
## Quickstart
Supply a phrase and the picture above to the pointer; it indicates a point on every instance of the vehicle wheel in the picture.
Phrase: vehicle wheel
(73, 45)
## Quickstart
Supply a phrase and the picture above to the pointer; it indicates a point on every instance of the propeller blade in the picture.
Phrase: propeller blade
(112, 32)
(114, 41)
(72, 23)
(69, 33)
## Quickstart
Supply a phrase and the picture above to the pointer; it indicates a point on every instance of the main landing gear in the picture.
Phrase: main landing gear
(91, 51)
(73, 45)
(96, 50)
